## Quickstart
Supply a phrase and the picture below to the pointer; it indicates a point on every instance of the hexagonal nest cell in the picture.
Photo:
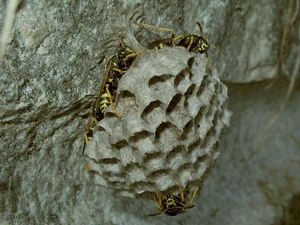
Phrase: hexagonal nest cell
(174, 109)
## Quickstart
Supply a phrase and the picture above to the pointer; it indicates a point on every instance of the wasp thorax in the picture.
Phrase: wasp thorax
(174, 110)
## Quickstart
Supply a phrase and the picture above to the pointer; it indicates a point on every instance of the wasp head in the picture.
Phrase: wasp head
(126, 57)
(203, 45)
(173, 205)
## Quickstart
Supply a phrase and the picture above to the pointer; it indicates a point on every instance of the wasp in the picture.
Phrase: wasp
(173, 204)
(192, 42)
(117, 65)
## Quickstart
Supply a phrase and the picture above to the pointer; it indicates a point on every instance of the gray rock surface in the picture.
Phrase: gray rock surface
(55, 59)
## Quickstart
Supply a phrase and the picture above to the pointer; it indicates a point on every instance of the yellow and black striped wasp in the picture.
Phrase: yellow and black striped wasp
(173, 204)
(192, 42)
(116, 66)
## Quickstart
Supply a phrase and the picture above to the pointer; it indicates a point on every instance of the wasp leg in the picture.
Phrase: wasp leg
(158, 203)
(119, 71)
(183, 36)
(84, 144)
(157, 200)
(131, 55)
(191, 42)
(87, 139)
(200, 27)
(191, 199)
(113, 109)
(135, 54)
(88, 135)
(112, 103)
(219, 50)
(181, 194)
(209, 62)
(176, 37)
(161, 29)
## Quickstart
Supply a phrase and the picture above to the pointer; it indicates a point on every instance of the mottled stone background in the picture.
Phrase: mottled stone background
(54, 60)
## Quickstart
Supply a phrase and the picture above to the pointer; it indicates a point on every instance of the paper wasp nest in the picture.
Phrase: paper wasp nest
(174, 110)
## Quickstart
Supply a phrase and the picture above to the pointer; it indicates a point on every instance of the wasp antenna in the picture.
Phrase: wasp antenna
(84, 144)
(154, 214)
(200, 27)
(218, 49)
(149, 26)
(121, 39)
(189, 206)
(160, 212)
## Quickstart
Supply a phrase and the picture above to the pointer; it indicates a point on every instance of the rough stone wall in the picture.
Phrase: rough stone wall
(54, 59)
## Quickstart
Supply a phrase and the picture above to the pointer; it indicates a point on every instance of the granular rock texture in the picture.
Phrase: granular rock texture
(174, 109)
(54, 59)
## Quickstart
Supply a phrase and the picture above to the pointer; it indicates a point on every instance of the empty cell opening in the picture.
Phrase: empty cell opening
(154, 163)
(225, 103)
(199, 115)
(201, 165)
(129, 155)
(216, 119)
(120, 144)
(217, 87)
(135, 175)
(124, 192)
(151, 108)
(131, 166)
(188, 93)
(152, 156)
(110, 171)
(99, 128)
(206, 172)
(117, 184)
(112, 176)
(185, 166)
(93, 172)
(207, 138)
(186, 173)
(141, 186)
(109, 161)
(215, 148)
(213, 105)
(222, 109)
(126, 98)
(147, 194)
(182, 75)
(179, 149)
(197, 154)
(202, 85)
(188, 128)
(190, 62)
(139, 135)
(201, 159)
(173, 103)
(110, 114)
(174, 190)
(159, 173)
(125, 94)
(194, 146)
(164, 126)
(159, 79)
